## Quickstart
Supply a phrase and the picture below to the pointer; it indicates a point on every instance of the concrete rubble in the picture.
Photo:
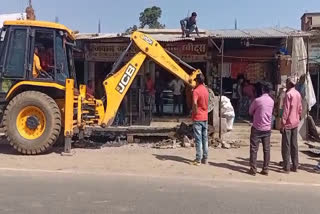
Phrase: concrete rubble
(166, 144)
(101, 141)
(184, 134)
(224, 144)
(183, 137)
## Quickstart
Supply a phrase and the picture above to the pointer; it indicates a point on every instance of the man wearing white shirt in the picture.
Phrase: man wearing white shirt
(177, 86)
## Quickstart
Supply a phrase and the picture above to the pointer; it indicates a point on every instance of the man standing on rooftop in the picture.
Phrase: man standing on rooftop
(189, 24)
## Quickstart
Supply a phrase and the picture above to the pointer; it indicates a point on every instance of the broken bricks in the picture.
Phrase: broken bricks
(166, 144)
(187, 142)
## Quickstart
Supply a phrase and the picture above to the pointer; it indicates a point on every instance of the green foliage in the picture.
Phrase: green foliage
(149, 17)
(130, 30)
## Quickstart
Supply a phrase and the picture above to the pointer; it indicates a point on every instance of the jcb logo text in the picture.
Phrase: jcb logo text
(125, 79)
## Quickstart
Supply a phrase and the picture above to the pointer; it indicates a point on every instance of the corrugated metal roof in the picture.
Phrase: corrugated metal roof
(259, 33)
(170, 38)
(315, 33)
(171, 35)
(90, 36)
(167, 31)
(227, 34)
(156, 36)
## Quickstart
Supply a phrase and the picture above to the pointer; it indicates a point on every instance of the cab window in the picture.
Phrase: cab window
(15, 60)
(61, 59)
(2, 47)
(2, 35)
(43, 64)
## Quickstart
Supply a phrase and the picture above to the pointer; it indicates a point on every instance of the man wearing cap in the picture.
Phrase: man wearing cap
(189, 24)
(292, 110)
(261, 109)
(200, 120)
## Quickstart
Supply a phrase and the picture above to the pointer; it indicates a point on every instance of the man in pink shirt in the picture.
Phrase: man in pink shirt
(200, 120)
(261, 109)
(292, 109)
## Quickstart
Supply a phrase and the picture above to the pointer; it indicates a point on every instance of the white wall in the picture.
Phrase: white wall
(12, 16)
(316, 20)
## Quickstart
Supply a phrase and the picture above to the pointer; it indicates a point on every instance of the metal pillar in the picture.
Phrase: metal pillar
(220, 100)
(221, 51)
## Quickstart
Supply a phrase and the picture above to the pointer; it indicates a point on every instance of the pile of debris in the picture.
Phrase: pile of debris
(166, 144)
(185, 135)
(101, 141)
(314, 137)
(218, 143)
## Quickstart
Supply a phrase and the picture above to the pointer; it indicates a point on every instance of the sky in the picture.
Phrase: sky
(118, 15)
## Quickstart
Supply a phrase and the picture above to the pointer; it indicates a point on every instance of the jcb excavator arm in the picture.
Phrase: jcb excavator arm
(90, 111)
(118, 83)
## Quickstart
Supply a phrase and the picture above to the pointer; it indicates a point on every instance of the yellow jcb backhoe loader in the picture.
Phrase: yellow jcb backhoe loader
(38, 101)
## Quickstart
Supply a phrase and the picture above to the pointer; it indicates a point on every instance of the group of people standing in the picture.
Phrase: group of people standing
(243, 94)
(246, 98)
(261, 110)
(156, 89)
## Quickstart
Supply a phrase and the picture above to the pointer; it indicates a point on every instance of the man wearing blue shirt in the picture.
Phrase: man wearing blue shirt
(189, 24)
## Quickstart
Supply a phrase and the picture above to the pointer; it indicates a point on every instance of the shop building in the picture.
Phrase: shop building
(100, 52)
(257, 54)
(311, 22)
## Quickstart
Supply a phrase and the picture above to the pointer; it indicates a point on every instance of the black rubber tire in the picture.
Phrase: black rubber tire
(60, 140)
(53, 122)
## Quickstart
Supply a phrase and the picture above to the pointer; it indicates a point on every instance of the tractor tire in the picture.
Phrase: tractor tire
(32, 122)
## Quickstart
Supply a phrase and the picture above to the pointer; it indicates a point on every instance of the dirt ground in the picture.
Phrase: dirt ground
(141, 160)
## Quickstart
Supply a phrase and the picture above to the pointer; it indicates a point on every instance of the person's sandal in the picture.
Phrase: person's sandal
(196, 163)
(252, 172)
(204, 161)
(285, 171)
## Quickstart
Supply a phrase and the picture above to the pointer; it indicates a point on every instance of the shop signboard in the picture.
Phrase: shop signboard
(188, 51)
(106, 52)
(314, 52)
(109, 52)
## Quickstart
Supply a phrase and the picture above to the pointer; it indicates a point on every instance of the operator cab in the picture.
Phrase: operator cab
(35, 51)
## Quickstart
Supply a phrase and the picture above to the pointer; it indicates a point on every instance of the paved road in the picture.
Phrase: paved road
(48, 192)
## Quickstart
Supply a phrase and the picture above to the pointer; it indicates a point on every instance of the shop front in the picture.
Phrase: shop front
(314, 67)
(252, 57)
(249, 58)
(245, 66)
(195, 54)
(99, 56)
